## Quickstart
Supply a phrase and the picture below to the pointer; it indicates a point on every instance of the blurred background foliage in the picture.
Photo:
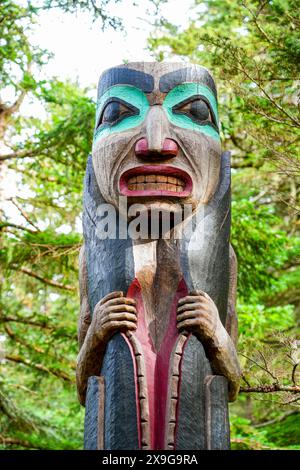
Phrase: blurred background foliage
(253, 49)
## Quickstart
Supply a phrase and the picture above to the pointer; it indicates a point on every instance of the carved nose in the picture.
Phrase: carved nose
(169, 149)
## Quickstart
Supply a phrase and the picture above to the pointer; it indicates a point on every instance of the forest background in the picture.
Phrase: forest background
(253, 49)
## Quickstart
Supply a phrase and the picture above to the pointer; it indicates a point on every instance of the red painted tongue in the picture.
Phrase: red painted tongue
(156, 363)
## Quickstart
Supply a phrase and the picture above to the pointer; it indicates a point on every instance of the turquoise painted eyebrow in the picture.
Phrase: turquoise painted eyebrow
(132, 96)
(181, 93)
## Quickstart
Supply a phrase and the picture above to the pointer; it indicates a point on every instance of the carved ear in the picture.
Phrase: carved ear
(205, 251)
(110, 263)
(91, 197)
(224, 181)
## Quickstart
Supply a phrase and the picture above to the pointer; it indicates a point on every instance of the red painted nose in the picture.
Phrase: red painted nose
(169, 148)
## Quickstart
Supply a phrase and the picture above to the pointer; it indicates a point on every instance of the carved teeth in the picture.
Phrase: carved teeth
(173, 180)
(155, 182)
(151, 178)
(161, 179)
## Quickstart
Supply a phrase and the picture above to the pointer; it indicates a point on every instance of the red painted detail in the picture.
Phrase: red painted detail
(156, 362)
(179, 385)
(141, 147)
(162, 367)
(138, 414)
(166, 170)
(144, 338)
(169, 147)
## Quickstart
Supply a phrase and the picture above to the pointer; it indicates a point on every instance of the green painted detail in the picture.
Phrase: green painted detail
(137, 98)
(183, 92)
(132, 96)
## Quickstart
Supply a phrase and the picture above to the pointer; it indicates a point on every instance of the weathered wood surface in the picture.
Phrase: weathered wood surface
(191, 427)
(121, 423)
(94, 414)
(216, 413)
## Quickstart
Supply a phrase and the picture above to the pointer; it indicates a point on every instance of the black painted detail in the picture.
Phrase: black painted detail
(114, 111)
(125, 76)
(121, 427)
(190, 430)
(198, 109)
(202, 417)
(188, 74)
(91, 414)
(217, 419)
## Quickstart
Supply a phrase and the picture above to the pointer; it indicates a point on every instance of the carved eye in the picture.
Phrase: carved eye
(114, 111)
(198, 110)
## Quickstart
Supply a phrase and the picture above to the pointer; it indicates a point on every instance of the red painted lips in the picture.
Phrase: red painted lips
(156, 180)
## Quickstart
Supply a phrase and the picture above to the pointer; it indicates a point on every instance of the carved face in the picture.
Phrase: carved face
(156, 137)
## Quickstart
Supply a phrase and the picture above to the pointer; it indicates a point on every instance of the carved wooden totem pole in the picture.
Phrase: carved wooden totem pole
(157, 328)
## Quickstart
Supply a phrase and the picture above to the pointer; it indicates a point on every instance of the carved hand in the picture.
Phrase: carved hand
(198, 313)
(113, 313)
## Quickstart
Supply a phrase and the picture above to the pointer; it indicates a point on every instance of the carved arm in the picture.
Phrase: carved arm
(111, 314)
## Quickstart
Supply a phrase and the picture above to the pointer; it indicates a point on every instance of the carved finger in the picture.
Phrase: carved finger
(120, 325)
(200, 324)
(188, 299)
(120, 316)
(120, 308)
(191, 306)
(120, 300)
(200, 292)
(189, 314)
(197, 292)
(111, 295)
(186, 324)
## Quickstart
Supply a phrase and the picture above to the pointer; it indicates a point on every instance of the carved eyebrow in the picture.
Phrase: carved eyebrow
(188, 74)
(125, 76)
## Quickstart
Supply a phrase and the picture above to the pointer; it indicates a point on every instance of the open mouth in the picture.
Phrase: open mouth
(155, 180)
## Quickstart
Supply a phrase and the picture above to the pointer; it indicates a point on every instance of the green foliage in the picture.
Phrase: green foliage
(39, 275)
(285, 435)
(280, 435)
(257, 320)
(99, 9)
(261, 249)
(16, 53)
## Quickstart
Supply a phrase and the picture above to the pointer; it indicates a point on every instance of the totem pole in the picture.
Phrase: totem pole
(157, 329)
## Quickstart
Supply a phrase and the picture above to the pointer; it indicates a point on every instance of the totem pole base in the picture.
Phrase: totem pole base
(202, 408)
